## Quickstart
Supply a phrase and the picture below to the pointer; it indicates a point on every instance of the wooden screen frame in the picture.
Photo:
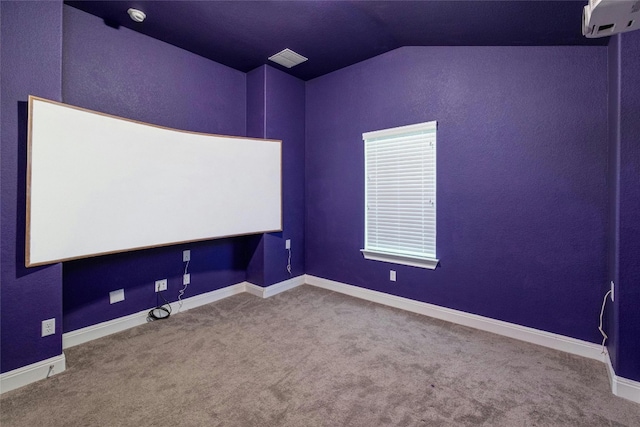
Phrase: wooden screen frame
(31, 261)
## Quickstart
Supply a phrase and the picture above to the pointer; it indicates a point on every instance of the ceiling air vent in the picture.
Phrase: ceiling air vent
(287, 58)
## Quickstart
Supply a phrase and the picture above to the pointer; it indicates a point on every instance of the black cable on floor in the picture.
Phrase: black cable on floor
(160, 312)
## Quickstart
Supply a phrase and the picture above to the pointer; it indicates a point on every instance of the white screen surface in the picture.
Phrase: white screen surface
(100, 184)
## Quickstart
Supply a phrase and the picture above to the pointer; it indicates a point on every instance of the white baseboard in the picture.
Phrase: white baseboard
(37, 371)
(81, 336)
(99, 330)
(622, 387)
(209, 297)
(275, 289)
(255, 290)
(31, 373)
(511, 330)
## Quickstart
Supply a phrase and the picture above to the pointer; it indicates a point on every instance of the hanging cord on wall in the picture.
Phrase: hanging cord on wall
(184, 288)
(289, 262)
(604, 335)
(161, 311)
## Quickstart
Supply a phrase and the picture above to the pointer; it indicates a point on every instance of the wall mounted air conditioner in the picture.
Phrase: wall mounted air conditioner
(601, 18)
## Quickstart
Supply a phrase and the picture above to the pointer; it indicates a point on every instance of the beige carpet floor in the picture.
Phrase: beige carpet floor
(311, 357)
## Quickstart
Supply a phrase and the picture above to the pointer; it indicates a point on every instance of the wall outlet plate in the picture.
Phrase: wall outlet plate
(116, 296)
(186, 255)
(287, 244)
(161, 285)
(48, 327)
(612, 290)
(392, 275)
(186, 279)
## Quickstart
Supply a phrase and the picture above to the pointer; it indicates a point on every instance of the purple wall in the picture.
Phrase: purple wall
(121, 72)
(31, 65)
(256, 114)
(523, 225)
(256, 107)
(613, 184)
(628, 289)
(285, 120)
(276, 110)
(522, 167)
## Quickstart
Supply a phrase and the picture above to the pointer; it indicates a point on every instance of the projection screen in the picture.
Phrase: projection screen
(100, 184)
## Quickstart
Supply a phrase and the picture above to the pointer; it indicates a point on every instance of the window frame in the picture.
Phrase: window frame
(399, 255)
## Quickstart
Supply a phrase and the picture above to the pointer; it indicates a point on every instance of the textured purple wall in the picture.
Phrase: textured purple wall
(256, 129)
(522, 167)
(628, 289)
(285, 120)
(131, 75)
(613, 184)
(276, 110)
(522, 157)
(121, 72)
(256, 106)
(31, 64)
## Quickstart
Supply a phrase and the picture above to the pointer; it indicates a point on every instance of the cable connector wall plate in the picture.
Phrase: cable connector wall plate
(161, 285)
(116, 296)
(612, 291)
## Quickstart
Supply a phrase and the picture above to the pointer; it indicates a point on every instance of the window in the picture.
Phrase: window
(400, 195)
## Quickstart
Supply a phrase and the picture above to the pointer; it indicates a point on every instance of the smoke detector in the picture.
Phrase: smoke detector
(136, 15)
(287, 58)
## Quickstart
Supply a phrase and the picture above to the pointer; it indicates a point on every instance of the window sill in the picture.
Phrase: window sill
(429, 263)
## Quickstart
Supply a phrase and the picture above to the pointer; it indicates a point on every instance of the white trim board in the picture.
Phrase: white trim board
(99, 330)
(81, 336)
(276, 288)
(511, 330)
(17, 378)
(40, 370)
(620, 386)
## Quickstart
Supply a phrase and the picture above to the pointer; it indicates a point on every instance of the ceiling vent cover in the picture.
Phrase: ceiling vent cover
(287, 58)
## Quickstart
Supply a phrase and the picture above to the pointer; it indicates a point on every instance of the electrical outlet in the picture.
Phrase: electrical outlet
(392, 275)
(186, 279)
(48, 327)
(287, 244)
(161, 285)
(612, 290)
(186, 255)
(116, 296)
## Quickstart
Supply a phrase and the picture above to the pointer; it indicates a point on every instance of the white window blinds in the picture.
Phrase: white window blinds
(400, 195)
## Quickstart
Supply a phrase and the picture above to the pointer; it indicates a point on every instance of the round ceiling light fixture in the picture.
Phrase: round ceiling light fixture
(136, 15)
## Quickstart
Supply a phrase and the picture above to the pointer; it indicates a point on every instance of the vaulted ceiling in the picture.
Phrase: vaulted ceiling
(335, 34)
